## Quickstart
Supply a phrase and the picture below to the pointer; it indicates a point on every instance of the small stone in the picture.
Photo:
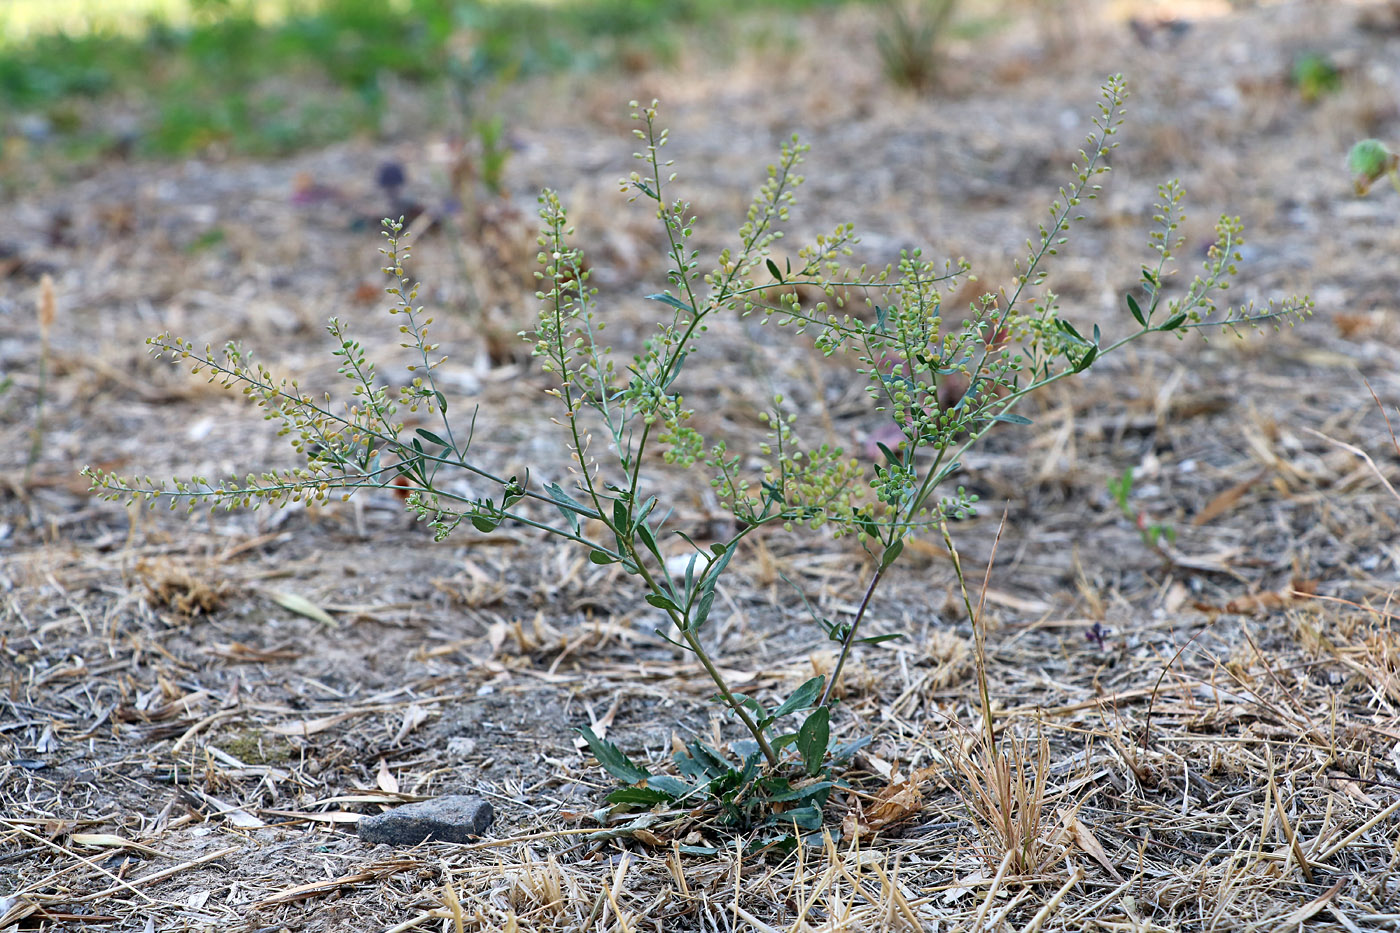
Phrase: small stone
(461, 746)
(457, 818)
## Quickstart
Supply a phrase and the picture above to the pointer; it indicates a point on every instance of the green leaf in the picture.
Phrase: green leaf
(877, 639)
(442, 402)
(775, 271)
(567, 505)
(892, 552)
(671, 300)
(804, 697)
(1009, 418)
(1068, 328)
(845, 750)
(808, 818)
(812, 739)
(622, 519)
(1173, 323)
(432, 438)
(702, 609)
(601, 557)
(1087, 360)
(638, 797)
(667, 784)
(801, 793)
(690, 575)
(1136, 311)
(661, 602)
(613, 760)
(648, 539)
(483, 524)
(675, 370)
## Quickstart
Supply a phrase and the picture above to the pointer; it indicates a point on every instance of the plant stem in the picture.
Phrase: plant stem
(693, 642)
(729, 697)
(850, 638)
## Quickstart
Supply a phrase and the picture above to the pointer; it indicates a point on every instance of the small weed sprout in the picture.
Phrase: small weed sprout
(908, 345)
(1152, 533)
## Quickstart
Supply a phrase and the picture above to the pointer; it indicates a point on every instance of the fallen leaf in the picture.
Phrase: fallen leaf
(1227, 500)
(1086, 840)
(896, 802)
(308, 726)
(302, 607)
(413, 717)
(386, 781)
(108, 841)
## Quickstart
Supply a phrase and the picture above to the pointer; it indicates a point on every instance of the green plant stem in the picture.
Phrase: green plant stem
(850, 638)
(693, 642)
(36, 444)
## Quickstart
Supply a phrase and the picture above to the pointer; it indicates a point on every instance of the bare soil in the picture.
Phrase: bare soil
(1225, 758)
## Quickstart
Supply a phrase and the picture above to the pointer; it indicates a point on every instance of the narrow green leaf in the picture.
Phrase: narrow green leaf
(877, 639)
(1010, 418)
(802, 793)
(671, 300)
(1136, 311)
(1087, 360)
(812, 739)
(892, 553)
(601, 557)
(648, 540)
(802, 698)
(690, 576)
(567, 505)
(661, 602)
(675, 370)
(775, 271)
(1173, 323)
(702, 609)
(613, 760)
(483, 524)
(1068, 328)
(432, 438)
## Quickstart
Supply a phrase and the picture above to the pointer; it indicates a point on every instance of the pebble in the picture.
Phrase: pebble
(456, 818)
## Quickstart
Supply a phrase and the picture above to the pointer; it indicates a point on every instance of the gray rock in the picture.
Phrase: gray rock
(457, 818)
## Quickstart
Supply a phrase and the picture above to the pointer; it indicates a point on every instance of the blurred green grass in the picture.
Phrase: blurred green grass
(264, 77)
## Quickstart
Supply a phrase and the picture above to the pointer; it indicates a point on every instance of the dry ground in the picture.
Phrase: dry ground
(1225, 759)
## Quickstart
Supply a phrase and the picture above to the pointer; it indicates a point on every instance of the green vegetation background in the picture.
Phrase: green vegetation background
(263, 77)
